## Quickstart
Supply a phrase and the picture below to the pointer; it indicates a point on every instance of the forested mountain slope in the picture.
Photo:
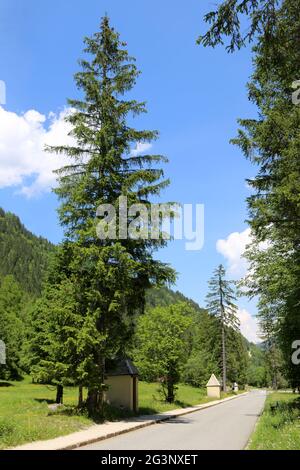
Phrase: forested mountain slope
(164, 296)
(22, 254)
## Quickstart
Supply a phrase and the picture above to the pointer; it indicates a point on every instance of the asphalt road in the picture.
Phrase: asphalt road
(226, 426)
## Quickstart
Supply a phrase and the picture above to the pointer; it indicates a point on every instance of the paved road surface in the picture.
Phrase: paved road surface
(225, 426)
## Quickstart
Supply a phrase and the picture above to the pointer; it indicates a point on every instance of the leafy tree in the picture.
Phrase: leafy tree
(257, 376)
(220, 303)
(257, 372)
(161, 345)
(112, 275)
(197, 369)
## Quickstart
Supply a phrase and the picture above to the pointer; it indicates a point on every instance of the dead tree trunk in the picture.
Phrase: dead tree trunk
(224, 358)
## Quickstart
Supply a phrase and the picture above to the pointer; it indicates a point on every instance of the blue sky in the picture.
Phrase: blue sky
(194, 97)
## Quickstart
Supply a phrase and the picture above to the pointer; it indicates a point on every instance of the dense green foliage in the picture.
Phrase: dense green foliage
(24, 259)
(162, 345)
(266, 367)
(54, 328)
(12, 320)
(272, 143)
(206, 352)
(257, 373)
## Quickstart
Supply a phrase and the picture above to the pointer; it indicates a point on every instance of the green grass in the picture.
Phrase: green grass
(150, 400)
(25, 415)
(279, 425)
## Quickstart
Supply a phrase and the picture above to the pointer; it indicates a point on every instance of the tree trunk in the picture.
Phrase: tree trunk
(170, 391)
(80, 396)
(222, 312)
(59, 394)
(101, 396)
(224, 358)
(92, 402)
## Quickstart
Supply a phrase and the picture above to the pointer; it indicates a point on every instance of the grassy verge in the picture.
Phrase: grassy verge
(25, 415)
(279, 425)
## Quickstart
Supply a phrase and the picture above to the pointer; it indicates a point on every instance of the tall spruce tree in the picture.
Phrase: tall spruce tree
(220, 303)
(112, 275)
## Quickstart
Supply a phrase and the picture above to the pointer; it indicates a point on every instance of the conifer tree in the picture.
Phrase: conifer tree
(52, 348)
(220, 303)
(227, 19)
(271, 142)
(111, 274)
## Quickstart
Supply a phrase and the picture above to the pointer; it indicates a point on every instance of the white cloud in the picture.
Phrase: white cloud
(141, 147)
(24, 164)
(232, 248)
(249, 327)
(22, 149)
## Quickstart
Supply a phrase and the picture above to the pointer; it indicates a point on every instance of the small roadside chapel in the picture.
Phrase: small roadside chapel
(122, 381)
(213, 387)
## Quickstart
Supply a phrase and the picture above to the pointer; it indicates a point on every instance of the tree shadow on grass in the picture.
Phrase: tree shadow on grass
(6, 384)
(110, 413)
(45, 400)
(182, 404)
(67, 410)
(147, 410)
